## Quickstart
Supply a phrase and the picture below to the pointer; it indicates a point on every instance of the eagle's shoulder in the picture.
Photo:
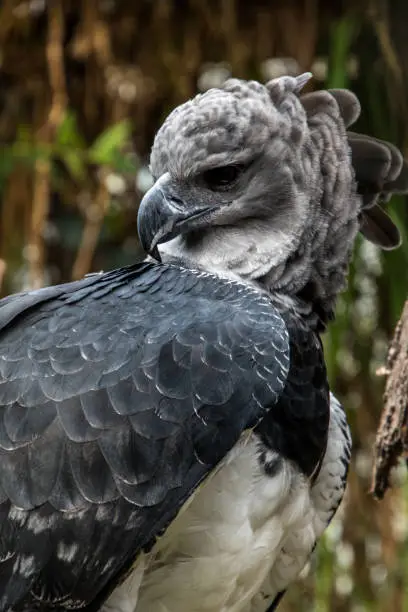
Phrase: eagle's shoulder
(118, 395)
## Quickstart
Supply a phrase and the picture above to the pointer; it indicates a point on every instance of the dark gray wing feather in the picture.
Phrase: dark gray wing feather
(379, 167)
(118, 395)
(380, 171)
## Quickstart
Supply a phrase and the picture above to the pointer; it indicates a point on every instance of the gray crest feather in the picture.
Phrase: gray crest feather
(293, 224)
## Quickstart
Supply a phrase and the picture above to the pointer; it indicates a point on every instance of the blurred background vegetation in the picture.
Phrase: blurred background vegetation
(84, 85)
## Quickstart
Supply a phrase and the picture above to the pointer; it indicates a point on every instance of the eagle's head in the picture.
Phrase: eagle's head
(262, 183)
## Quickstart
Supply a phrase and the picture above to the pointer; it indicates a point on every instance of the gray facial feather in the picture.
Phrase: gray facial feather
(222, 125)
(290, 223)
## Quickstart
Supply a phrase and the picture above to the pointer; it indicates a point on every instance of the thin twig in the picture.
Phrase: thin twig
(3, 267)
(42, 174)
(93, 223)
(98, 35)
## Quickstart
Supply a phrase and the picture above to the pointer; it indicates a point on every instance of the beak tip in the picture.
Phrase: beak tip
(162, 217)
(147, 218)
(155, 253)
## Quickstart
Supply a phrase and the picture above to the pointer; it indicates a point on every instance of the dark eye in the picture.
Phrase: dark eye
(222, 177)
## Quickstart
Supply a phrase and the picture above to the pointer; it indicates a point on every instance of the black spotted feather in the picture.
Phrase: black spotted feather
(118, 395)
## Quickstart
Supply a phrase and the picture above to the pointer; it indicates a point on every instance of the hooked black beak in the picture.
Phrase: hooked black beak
(163, 216)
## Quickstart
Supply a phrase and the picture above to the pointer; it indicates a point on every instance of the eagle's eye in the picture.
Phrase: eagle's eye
(221, 177)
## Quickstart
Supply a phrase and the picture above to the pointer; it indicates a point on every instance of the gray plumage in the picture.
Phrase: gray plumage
(305, 188)
(168, 440)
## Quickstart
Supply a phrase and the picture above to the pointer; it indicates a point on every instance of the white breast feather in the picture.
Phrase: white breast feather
(243, 538)
(325, 497)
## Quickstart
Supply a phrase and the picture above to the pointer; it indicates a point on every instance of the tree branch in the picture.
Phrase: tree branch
(392, 434)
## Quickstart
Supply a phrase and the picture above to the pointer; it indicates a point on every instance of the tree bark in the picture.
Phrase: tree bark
(392, 435)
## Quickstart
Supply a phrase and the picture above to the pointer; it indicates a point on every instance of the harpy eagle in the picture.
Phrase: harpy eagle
(168, 440)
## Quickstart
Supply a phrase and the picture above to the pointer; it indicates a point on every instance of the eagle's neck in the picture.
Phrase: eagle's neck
(274, 262)
(247, 251)
(284, 281)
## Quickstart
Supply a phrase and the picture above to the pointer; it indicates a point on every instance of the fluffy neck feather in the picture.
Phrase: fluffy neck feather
(248, 251)
(310, 263)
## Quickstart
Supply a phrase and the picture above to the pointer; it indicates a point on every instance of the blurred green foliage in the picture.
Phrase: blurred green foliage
(83, 88)
(70, 148)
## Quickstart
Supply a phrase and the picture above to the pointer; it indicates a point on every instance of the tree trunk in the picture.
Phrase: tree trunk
(392, 436)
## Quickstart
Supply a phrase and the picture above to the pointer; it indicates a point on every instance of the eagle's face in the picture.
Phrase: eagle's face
(248, 183)
(230, 158)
